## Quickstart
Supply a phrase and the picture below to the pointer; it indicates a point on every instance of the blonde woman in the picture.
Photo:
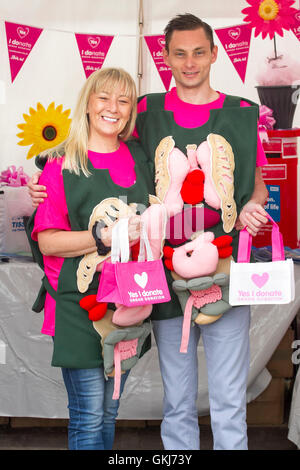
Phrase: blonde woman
(93, 164)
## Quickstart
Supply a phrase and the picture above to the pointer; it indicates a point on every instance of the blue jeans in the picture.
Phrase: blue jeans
(92, 410)
(226, 346)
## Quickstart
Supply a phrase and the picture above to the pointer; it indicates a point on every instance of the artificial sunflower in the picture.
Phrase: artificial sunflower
(44, 129)
(270, 16)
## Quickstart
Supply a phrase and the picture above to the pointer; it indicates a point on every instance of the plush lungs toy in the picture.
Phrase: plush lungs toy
(200, 265)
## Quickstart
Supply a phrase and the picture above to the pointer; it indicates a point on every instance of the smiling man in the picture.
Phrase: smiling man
(191, 113)
(190, 55)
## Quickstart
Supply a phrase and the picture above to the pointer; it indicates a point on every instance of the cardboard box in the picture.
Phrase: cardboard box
(268, 407)
(280, 364)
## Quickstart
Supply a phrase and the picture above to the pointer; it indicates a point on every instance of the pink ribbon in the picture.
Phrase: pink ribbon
(266, 121)
(14, 176)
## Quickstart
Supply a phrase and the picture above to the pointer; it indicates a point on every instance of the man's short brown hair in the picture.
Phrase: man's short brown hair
(187, 22)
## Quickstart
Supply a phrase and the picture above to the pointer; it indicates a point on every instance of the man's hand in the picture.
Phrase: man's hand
(36, 191)
(253, 216)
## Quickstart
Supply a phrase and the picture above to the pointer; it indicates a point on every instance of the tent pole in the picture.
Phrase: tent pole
(140, 50)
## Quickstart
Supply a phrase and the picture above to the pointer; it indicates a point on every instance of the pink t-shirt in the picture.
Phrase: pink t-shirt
(195, 115)
(53, 212)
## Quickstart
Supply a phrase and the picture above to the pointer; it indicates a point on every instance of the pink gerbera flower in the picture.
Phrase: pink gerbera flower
(270, 16)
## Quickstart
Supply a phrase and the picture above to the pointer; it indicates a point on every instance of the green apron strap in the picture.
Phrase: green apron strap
(156, 101)
(231, 101)
(40, 300)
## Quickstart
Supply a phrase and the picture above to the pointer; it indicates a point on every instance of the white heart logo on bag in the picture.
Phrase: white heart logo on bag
(141, 279)
(260, 280)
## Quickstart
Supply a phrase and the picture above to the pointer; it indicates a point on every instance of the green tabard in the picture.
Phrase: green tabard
(238, 125)
(76, 342)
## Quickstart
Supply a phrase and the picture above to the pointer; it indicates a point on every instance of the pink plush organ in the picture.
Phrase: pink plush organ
(204, 159)
(178, 166)
(196, 258)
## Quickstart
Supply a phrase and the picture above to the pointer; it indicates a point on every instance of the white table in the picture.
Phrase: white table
(31, 387)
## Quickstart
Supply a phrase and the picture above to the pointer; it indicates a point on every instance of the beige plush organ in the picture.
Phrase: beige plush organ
(216, 159)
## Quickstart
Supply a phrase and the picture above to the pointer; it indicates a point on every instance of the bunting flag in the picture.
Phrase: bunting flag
(296, 29)
(20, 41)
(156, 45)
(236, 42)
(93, 49)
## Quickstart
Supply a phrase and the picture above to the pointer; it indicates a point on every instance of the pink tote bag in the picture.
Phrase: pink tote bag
(261, 283)
(132, 283)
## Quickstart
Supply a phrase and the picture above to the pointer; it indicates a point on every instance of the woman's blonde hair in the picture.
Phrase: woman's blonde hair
(75, 146)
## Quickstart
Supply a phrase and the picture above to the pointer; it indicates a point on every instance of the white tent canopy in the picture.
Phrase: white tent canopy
(53, 71)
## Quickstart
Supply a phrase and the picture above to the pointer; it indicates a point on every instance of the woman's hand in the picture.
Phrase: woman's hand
(134, 227)
(253, 216)
(36, 191)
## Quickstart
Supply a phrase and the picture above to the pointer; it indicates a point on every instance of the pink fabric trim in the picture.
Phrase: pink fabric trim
(51, 214)
(186, 326)
(120, 165)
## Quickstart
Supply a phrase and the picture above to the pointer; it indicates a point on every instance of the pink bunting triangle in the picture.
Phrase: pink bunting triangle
(155, 45)
(296, 28)
(93, 49)
(236, 42)
(20, 41)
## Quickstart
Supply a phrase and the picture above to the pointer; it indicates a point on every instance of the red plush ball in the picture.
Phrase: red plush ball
(135, 251)
(169, 264)
(98, 312)
(88, 302)
(225, 252)
(192, 191)
(168, 251)
(223, 243)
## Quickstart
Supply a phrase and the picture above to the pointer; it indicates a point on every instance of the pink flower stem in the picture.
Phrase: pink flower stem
(275, 48)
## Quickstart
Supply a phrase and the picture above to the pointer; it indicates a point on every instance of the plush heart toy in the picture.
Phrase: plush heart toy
(192, 190)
